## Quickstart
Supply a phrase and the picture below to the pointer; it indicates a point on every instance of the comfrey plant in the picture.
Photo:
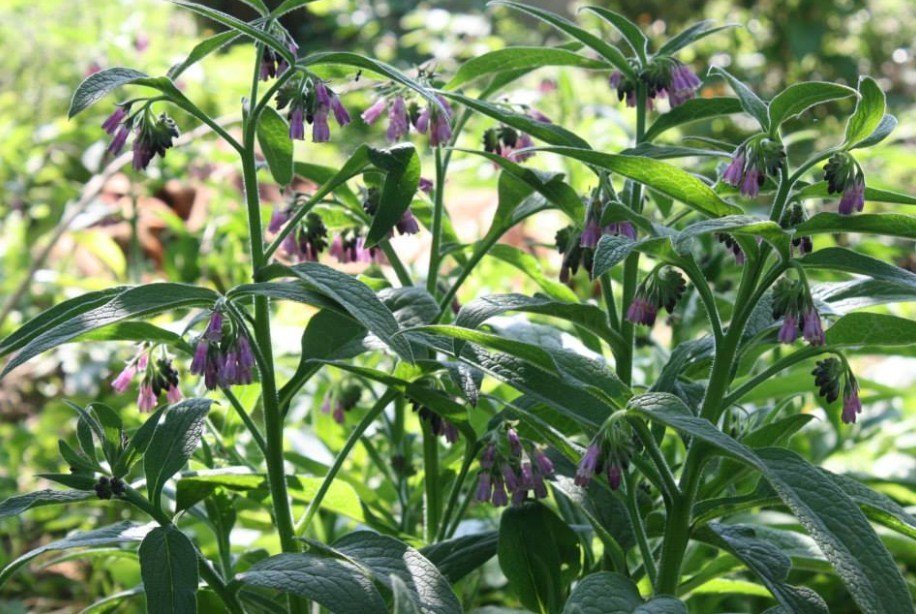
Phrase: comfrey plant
(625, 457)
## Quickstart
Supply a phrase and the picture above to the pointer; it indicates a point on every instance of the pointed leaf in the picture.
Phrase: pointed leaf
(631, 33)
(202, 50)
(871, 329)
(605, 592)
(888, 224)
(173, 442)
(799, 97)
(456, 558)
(514, 58)
(402, 175)
(97, 85)
(14, 506)
(692, 110)
(842, 259)
(277, 147)
(168, 566)
(750, 102)
(868, 114)
(691, 34)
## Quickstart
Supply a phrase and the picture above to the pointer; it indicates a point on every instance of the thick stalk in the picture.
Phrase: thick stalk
(638, 527)
(432, 507)
(432, 276)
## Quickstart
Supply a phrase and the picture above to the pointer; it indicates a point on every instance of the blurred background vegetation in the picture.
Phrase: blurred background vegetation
(183, 222)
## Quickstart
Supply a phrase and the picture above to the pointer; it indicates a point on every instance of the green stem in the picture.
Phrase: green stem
(302, 524)
(638, 528)
(476, 257)
(399, 269)
(432, 508)
(779, 365)
(246, 419)
(677, 530)
(470, 452)
(607, 292)
(432, 276)
(670, 490)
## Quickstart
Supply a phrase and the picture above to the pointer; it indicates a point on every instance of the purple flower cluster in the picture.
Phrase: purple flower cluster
(312, 101)
(272, 63)
(434, 120)
(510, 143)
(342, 401)
(663, 77)
(594, 231)
(751, 164)
(662, 288)
(827, 376)
(608, 453)
(509, 470)
(223, 360)
(154, 380)
(153, 135)
(307, 241)
(843, 174)
(792, 302)
(398, 118)
(793, 216)
(441, 427)
(349, 246)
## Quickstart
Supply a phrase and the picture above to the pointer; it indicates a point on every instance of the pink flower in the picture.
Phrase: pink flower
(398, 122)
(751, 185)
(812, 330)
(735, 170)
(147, 399)
(321, 131)
(588, 465)
(173, 394)
(852, 405)
(375, 111)
(122, 382)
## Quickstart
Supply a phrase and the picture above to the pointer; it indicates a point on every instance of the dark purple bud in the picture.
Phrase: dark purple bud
(119, 140)
(341, 115)
(407, 225)
(515, 444)
(641, 311)
(853, 198)
(426, 185)
(591, 234)
(544, 464)
(214, 330)
(500, 498)
(613, 476)
(488, 456)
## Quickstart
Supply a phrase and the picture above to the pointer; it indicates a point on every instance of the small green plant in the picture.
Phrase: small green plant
(609, 481)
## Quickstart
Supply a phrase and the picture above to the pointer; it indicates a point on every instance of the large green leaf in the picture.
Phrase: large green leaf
(750, 102)
(740, 225)
(514, 58)
(605, 592)
(842, 259)
(107, 536)
(173, 442)
(386, 557)
(14, 506)
(871, 329)
(402, 175)
(887, 125)
(690, 111)
(528, 352)
(277, 147)
(202, 50)
(631, 33)
(337, 584)
(168, 565)
(549, 133)
(890, 224)
(770, 564)
(539, 570)
(97, 85)
(878, 507)
(356, 297)
(868, 114)
(134, 302)
(826, 512)
(660, 176)
(799, 97)
(456, 558)
(605, 50)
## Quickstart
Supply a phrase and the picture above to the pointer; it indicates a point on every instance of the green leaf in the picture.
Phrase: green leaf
(868, 114)
(138, 443)
(631, 33)
(819, 190)
(131, 303)
(514, 58)
(111, 535)
(611, 251)
(528, 352)
(277, 147)
(238, 25)
(168, 566)
(770, 564)
(96, 86)
(549, 133)
(386, 557)
(135, 331)
(660, 176)
(826, 512)
(337, 584)
(551, 187)
(531, 266)
(202, 50)
(79, 481)
(288, 6)
(605, 592)
(799, 97)
(691, 34)
(173, 442)
(356, 60)
(740, 225)
(842, 259)
(889, 224)
(668, 152)
(539, 570)
(14, 506)
(750, 102)
(456, 558)
(880, 508)
(871, 329)
(605, 50)
(402, 175)
(353, 295)
(887, 125)
(692, 110)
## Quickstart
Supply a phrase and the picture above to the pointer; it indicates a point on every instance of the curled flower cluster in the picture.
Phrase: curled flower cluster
(827, 376)
(349, 246)
(311, 101)
(731, 245)
(511, 469)
(307, 241)
(105, 488)
(752, 162)
(568, 242)
(152, 135)
(663, 77)
(434, 120)
(792, 302)
(224, 358)
(793, 216)
(155, 378)
(593, 230)
(441, 427)
(272, 63)
(843, 174)
(608, 453)
(508, 142)
(662, 288)
(343, 400)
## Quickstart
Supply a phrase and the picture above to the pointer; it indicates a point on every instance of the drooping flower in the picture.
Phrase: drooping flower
(792, 301)
(114, 121)
(297, 123)
(827, 378)
(434, 120)
(568, 243)
(398, 121)
(512, 468)
(852, 404)
(153, 137)
(321, 130)
(223, 357)
(122, 382)
(154, 378)
(812, 330)
(425, 185)
(843, 174)
(374, 111)
(792, 217)
(662, 288)
(439, 425)
(609, 453)
(349, 246)
(683, 83)
(407, 225)
(732, 245)
(146, 400)
(588, 465)
(753, 161)
(788, 332)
